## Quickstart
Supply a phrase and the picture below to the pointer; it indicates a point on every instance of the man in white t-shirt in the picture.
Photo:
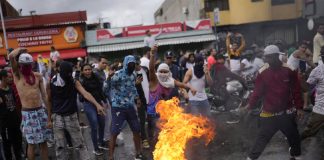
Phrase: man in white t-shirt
(316, 120)
(145, 60)
(54, 55)
(149, 40)
(318, 43)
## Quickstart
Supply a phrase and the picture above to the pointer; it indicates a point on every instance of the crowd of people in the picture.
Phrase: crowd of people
(42, 103)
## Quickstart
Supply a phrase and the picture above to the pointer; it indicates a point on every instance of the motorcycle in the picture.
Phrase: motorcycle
(234, 97)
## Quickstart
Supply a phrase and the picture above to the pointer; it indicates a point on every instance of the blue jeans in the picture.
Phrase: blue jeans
(97, 124)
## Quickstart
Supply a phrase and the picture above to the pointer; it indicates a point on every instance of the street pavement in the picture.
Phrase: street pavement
(232, 142)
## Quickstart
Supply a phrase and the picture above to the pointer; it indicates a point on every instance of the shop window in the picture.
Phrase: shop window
(210, 5)
(280, 2)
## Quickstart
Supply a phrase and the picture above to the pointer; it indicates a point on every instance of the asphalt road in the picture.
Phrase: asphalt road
(232, 142)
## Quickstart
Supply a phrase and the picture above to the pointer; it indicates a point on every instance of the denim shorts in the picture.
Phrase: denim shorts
(120, 115)
(33, 125)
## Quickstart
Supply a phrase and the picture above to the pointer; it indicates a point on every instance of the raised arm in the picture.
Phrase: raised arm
(152, 76)
(12, 59)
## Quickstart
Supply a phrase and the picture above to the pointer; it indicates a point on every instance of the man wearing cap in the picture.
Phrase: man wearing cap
(35, 123)
(280, 90)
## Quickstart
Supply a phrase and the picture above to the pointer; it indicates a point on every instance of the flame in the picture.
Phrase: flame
(177, 128)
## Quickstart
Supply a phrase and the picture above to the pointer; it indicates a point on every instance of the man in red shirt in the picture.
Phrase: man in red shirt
(211, 58)
(281, 92)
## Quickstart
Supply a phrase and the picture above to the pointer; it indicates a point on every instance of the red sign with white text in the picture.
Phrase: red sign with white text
(166, 28)
(103, 34)
(197, 25)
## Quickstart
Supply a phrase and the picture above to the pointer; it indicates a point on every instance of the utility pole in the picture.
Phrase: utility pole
(3, 27)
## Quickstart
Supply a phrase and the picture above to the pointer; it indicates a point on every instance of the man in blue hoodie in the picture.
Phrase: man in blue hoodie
(123, 105)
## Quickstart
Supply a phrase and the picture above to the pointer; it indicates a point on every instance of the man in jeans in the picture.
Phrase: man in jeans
(142, 86)
(100, 72)
(280, 89)
(123, 105)
(62, 92)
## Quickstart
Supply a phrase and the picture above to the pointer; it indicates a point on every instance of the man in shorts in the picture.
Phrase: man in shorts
(35, 124)
(123, 105)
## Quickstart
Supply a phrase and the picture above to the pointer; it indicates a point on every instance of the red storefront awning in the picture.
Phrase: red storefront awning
(65, 54)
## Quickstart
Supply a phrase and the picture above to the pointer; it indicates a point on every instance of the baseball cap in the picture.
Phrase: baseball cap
(137, 59)
(168, 54)
(272, 49)
(25, 58)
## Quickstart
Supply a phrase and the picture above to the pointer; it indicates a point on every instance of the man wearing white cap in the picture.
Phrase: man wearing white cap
(280, 90)
(35, 123)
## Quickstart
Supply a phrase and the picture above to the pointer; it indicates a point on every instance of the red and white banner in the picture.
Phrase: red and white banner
(197, 25)
(103, 34)
(166, 28)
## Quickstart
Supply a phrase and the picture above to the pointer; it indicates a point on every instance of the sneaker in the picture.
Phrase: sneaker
(104, 145)
(69, 146)
(83, 126)
(221, 108)
(146, 144)
(50, 144)
(233, 121)
(97, 153)
(140, 157)
(295, 158)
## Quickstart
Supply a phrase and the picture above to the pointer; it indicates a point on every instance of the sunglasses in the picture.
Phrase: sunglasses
(168, 57)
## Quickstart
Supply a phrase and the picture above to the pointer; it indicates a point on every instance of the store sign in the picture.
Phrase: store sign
(197, 25)
(166, 28)
(70, 34)
(104, 34)
(34, 37)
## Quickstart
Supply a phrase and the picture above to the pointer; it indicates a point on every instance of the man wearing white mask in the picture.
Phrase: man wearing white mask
(161, 84)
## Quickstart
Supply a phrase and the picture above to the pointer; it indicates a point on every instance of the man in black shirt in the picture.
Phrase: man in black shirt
(9, 118)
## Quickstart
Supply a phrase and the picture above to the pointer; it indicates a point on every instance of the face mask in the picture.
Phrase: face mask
(130, 69)
(163, 76)
(27, 72)
(66, 71)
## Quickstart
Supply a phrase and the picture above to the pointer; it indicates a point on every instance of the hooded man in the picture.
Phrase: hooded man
(197, 76)
(279, 88)
(62, 92)
(31, 90)
(123, 105)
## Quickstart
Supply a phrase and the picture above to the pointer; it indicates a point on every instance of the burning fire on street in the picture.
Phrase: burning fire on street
(177, 128)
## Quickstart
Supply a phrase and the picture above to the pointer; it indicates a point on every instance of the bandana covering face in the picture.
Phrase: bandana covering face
(27, 72)
(165, 79)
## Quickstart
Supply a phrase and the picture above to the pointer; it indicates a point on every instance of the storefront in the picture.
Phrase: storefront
(117, 42)
(37, 33)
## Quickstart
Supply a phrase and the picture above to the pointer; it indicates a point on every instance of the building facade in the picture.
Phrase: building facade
(179, 10)
(270, 20)
(37, 33)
